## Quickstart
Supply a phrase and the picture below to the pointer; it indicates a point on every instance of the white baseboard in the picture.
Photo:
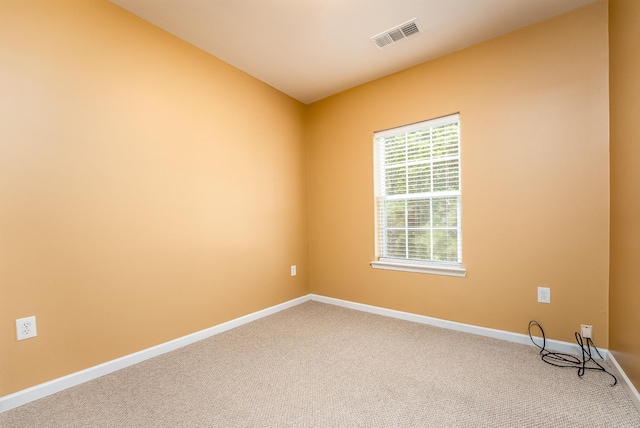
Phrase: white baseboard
(36, 392)
(42, 390)
(551, 345)
(632, 392)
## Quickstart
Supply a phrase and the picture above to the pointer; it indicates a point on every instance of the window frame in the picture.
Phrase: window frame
(406, 264)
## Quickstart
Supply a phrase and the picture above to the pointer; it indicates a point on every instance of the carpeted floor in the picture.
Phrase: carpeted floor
(317, 365)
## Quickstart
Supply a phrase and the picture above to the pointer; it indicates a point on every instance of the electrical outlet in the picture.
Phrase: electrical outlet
(293, 270)
(26, 328)
(586, 331)
(544, 295)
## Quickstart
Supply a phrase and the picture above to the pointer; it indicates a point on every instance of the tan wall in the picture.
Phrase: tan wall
(624, 35)
(147, 190)
(144, 183)
(535, 180)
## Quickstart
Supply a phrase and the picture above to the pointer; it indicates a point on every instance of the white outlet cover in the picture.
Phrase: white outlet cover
(586, 331)
(293, 270)
(544, 295)
(26, 328)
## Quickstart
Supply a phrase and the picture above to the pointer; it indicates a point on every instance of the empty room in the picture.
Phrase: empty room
(314, 213)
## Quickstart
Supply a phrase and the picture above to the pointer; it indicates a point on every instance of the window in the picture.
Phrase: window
(417, 184)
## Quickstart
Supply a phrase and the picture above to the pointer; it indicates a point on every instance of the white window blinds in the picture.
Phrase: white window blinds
(418, 192)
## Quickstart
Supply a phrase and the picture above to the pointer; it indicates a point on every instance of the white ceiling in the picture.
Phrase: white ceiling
(310, 49)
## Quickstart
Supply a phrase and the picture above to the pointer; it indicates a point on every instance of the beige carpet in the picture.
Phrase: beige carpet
(318, 365)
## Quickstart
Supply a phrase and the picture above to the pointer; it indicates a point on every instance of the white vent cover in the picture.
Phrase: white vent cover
(397, 33)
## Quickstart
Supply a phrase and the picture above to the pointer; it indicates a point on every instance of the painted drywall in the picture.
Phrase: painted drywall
(535, 180)
(624, 34)
(147, 189)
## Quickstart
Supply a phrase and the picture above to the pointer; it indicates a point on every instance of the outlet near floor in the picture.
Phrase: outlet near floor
(544, 295)
(26, 328)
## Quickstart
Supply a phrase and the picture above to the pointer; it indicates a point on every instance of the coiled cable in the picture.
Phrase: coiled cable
(560, 359)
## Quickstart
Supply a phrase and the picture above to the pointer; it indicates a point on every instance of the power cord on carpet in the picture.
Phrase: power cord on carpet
(559, 359)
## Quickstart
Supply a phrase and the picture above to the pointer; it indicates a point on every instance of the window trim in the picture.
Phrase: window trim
(410, 265)
(420, 267)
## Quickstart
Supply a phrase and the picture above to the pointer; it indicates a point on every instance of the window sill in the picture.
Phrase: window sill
(419, 268)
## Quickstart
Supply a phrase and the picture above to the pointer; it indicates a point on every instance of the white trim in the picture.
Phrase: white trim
(552, 345)
(417, 126)
(36, 392)
(632, 392)
(420, 268)
(42, 390)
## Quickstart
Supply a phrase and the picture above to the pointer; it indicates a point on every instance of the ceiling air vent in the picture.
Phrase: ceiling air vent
(397, 33)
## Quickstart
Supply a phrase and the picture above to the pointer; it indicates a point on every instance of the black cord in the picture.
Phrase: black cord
(559, 359)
